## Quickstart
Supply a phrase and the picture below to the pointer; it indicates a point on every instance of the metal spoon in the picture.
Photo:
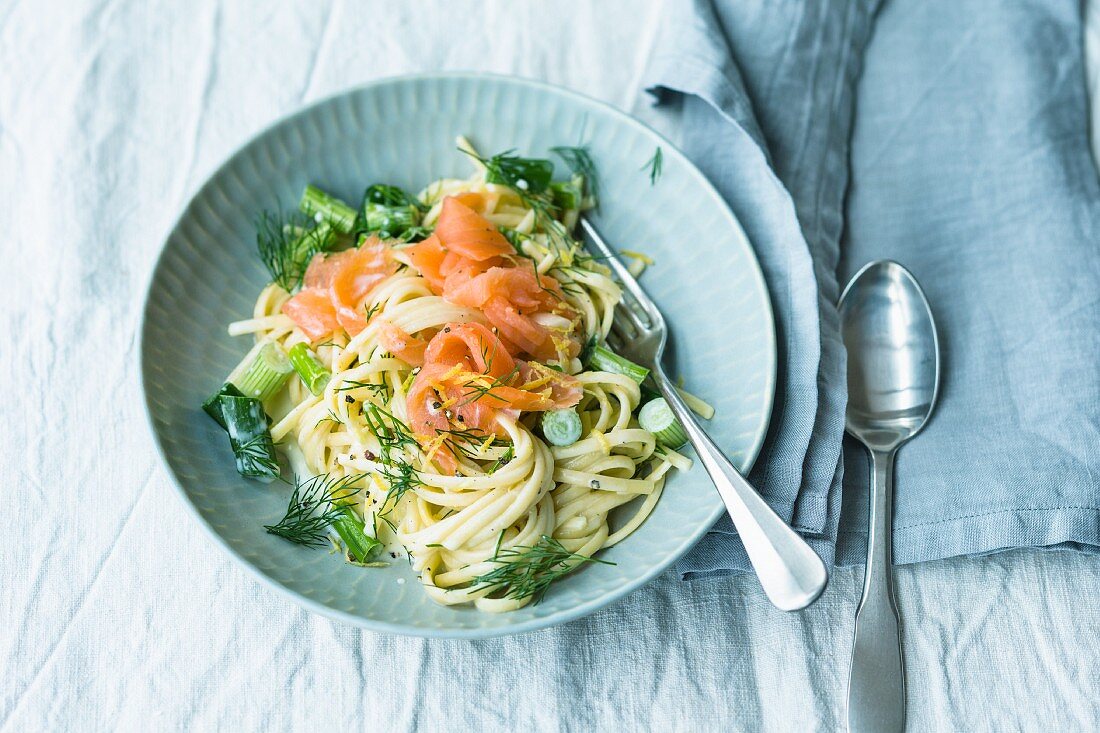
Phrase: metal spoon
(893, 377)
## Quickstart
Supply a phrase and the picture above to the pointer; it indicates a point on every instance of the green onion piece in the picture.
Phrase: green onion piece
(213, 404)
(350, 528)
(313, 373)
(603, 359)
(250, 437)
(267, 373)
(656, 417)
(325, 208)
(561, 427)
(568, 194)
(530, 175)
(387, 195)
(388, 211)
(581, 163)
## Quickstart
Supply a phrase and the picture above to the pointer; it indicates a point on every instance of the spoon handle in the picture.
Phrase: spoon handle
(790, 572)
(876, 685)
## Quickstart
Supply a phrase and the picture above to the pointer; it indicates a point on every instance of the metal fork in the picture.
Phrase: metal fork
(791, 574)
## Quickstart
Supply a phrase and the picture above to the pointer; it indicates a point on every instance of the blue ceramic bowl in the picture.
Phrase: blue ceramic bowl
(402, 131)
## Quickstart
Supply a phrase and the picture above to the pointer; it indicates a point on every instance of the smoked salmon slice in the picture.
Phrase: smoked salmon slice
(312, 311)
(401, 344)
(470, 263)
(465, 232)
(335, 286)
(469, 377)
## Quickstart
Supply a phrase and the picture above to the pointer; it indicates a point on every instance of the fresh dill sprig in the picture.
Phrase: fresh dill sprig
(475, 390)
(401, 477)
(529, 175)
(331, 417)
(373, 311)
(580, 162)
(287, 242)
(314, 505)
(468, 441)
(527, 571)
(655, 165)
(538, 278)
(377, 389)
(392, 434)
(529, 178)
(516, 239)
(256, 457)
(504, 460)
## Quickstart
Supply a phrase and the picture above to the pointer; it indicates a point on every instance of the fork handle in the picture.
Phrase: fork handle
(791, 574)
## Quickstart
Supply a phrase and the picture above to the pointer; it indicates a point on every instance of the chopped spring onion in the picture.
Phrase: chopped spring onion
(314, 374)
(267, 373)
(561, 427)
(326, 208)
(350, 527)
(389, 211)
(250, 437)
(529, 175)
(213, 404)
(656, 417)
(580, 162)
(603, 359)
(568, 194)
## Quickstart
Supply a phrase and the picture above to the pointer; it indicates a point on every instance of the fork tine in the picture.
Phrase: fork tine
(624, 312)
(624, 329)
(619, 269)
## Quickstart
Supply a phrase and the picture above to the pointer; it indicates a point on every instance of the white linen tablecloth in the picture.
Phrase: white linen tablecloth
(119, 614)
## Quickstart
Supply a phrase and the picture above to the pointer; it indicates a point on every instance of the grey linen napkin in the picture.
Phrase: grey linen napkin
(766, 91)
(970, 165)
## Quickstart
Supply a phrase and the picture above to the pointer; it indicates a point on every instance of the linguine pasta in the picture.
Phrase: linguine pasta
(486, 516)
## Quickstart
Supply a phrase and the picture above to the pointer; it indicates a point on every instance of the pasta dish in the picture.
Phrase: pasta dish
(434, 369)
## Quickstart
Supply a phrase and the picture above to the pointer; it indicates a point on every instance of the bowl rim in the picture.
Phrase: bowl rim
(533, 624)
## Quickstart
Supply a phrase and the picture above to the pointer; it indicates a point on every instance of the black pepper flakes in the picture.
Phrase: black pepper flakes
(594, 484)
(349, 399)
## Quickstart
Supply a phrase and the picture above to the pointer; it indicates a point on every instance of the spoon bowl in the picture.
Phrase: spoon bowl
(893, 362)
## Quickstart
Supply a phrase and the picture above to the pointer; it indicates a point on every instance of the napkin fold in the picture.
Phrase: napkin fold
(970, 165)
